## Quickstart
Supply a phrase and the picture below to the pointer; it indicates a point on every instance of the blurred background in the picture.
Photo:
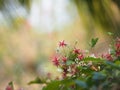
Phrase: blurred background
(31, 29)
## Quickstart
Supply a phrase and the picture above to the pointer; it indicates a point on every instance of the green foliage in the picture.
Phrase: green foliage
(102, 80)
(93, 42)
(85, 72)
(109, 33)
(36, 81)
(92, 73)
(11, 84)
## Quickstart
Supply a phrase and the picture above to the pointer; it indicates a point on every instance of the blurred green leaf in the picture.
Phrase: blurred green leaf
(36, 81)
(98, 76)
(117, 62)
(11, 84)
(87, 59)
(53, 85)
(93, 42)
(69, 62)
(81, 83)
(112, 65)
(110, 33)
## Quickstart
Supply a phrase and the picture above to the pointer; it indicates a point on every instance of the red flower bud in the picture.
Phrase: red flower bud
(64, 59)
(118, 53)
(80, 57)
(56, 61)
(76, 51)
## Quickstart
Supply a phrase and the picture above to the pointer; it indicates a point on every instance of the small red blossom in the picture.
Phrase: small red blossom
(64, 59)
(117, 46)
(118, 53)
(64, 75)
(76, 51)
(62, 44)
(9, 87)
(73, 70)
(56, 61)
(107, 56)
(80, 57)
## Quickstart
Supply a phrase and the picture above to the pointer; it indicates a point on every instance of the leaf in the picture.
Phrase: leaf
(53, 85)
(81, 83)
(69, 62)
(110, 33)
(117, 62)
(87, 59)
(36, 81)
(98, 76)
(93, 42)
(11, 85)
(113, 66)
(67, 82)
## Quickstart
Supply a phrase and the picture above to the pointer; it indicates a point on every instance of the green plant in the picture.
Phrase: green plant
(83, 71)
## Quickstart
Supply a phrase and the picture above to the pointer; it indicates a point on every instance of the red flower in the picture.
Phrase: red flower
(117, 45)
(80, 57)
(76, 51)
(118, 53)
(107, 56)
(64, 75)
(9, 88)
(64, 59)
(62, 44)
(56, 61)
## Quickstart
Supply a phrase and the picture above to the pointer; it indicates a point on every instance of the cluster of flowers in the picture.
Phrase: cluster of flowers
(68, 61)
(71, 62)
(114, 52)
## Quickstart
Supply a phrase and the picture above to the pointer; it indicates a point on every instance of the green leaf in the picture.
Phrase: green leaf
(110, 33)
(98, 76)
(81, 83)
(113, 66)
(117, 62)
(53, 85)
(93, 42)
(87, 59)
(67, 82)
(36, 81)
(69, 62)
(11, 84)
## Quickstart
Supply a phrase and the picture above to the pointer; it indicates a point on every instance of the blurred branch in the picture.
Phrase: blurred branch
(117, 2)
(98, 13)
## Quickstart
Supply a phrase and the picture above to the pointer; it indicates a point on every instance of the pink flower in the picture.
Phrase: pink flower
(64, 75)
(80, 57)
(56, 61)
(9, 87)
(62, 44)
(76, 51)
(117, 46)
(107, 57)
(118, 53)
(64, 59)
